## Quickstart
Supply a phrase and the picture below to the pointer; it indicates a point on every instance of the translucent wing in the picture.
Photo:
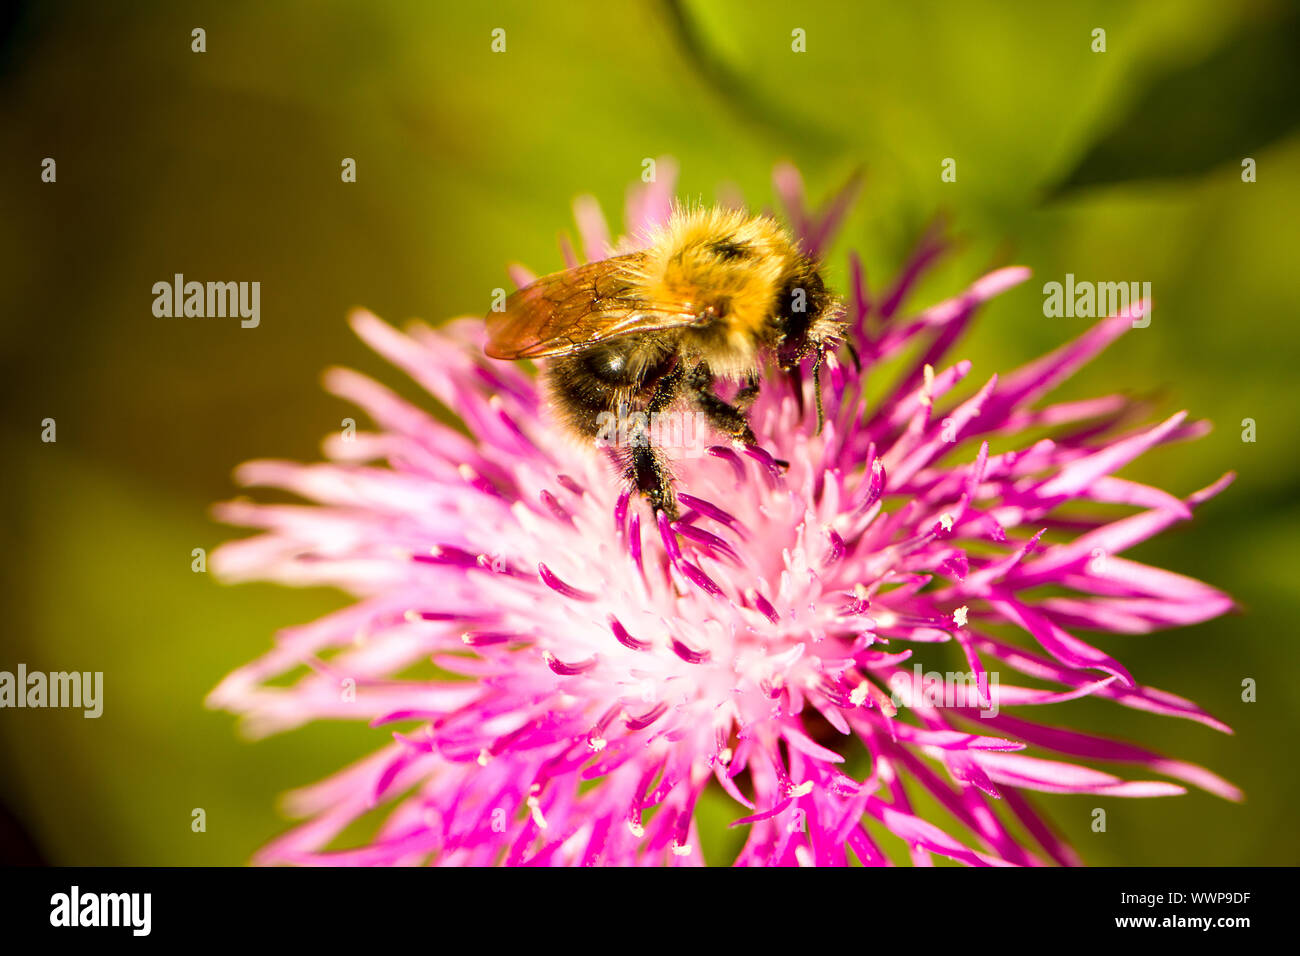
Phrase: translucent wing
(563, 312)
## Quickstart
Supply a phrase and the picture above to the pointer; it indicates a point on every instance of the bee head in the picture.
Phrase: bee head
(808, 322)
(805, 315)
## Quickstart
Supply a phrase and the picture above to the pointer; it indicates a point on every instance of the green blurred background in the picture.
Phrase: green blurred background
(225, 165)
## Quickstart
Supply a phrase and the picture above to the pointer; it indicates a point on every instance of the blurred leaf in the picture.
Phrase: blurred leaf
(1238, 100)
(769, 118)
(109, 587)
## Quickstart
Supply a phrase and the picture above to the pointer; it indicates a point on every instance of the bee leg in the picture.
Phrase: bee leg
(725, 418)
(665, 390)
(817, 390)
(647, 467)
(744, 399)
(795, 372)
(648, 472)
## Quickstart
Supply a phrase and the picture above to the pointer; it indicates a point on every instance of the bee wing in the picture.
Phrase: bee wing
(561, 313)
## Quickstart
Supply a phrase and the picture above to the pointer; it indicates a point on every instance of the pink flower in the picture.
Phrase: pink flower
(599, 669)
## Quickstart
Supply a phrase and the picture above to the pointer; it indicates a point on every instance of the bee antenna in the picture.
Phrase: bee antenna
(817, 388)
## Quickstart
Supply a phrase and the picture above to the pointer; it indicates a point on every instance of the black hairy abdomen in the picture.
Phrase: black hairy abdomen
(602, 377)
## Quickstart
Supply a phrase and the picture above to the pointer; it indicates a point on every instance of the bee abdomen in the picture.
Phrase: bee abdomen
(600, 379)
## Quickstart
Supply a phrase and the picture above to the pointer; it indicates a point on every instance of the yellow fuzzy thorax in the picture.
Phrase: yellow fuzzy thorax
(682, 270)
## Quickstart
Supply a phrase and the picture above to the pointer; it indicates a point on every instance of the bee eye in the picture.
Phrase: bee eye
(729, 251)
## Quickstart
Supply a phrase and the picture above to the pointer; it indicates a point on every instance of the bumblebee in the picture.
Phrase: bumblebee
(714, 294)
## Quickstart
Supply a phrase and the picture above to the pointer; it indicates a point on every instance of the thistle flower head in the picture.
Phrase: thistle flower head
(599, 667)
